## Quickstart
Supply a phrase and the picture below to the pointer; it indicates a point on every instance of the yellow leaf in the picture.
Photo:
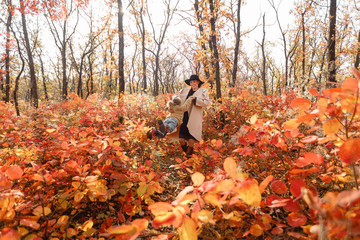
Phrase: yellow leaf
(188, 230)
(198, 178)
(213, 199)
(225, 186)
(253, 119)
(87, 225)
(249, 192)
(50, 130)
(205, 216)
(331, 126)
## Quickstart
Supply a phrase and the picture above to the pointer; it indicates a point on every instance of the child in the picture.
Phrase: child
(174, 119)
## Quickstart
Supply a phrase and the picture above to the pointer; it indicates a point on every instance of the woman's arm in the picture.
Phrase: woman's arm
(203, 99)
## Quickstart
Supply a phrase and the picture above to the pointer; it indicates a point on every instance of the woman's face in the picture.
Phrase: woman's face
(194, 84)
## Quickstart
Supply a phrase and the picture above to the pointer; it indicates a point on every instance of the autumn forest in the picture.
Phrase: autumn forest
(83, 82)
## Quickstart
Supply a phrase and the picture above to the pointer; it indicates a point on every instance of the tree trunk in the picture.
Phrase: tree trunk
(121, 48)
(263, 74)
(7, 53)
(43, 78)
(357, 59)
(331, 44)
(33, 88)
(215, 57)
(237, 45)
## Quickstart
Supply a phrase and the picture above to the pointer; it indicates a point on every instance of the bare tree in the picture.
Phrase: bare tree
(332, 44)
(7, 50)
(121, 47)
(158, 40)
(237, 43)
(62, 37)
(33, 83)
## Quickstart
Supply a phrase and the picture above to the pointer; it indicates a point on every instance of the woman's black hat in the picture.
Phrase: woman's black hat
(194, 77)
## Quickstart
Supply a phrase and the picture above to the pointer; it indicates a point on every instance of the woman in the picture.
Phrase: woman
(191, 128)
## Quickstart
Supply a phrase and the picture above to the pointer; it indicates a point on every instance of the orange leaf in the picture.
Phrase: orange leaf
(230, 167)
(5, 183)
(265, 183)
(331, 126)
(160, 208)
(256, 230)
(30, 221)
(278, 187)
(301, 103)
(164, 220)
(349, 152)
(296, 219)
(123, 229)
(225, 186)
(188, 230)
(350, 85)
(291, 124)
(14, 172)
(141, 224)
(313, 91)
(9, 234)
(197, 178)
(64, 145)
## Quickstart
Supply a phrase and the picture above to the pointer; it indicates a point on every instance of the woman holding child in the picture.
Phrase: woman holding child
(191, 128)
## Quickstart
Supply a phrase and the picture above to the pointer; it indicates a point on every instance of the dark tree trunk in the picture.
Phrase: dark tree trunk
(43, 78)
(215, 57)
(33, 89)
(7, 51)
(263, 74)
(357, 59)
(121, 48)
(237, 45)
(331, 44)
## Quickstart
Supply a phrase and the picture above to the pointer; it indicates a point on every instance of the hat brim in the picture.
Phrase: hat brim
(187, 81)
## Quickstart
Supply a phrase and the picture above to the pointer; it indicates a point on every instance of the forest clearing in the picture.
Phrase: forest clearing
(84, 83)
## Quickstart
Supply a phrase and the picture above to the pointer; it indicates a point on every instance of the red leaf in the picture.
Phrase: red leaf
(14, 172)
(278, 187)
(295, 187)
(292, 206)
(349, 152)
(314, 158)
(296, 219)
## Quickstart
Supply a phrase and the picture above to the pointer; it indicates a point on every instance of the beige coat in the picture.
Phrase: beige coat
(195, 111)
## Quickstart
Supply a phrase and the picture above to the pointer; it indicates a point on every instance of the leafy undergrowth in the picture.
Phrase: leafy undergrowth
(269, 168)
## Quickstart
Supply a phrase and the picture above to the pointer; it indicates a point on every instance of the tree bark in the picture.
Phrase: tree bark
(121, 48)
(357, 59)
(237, 45)
(331, 44)
(7, 52)
(33, 86)
(215, 57)
(263, 74)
